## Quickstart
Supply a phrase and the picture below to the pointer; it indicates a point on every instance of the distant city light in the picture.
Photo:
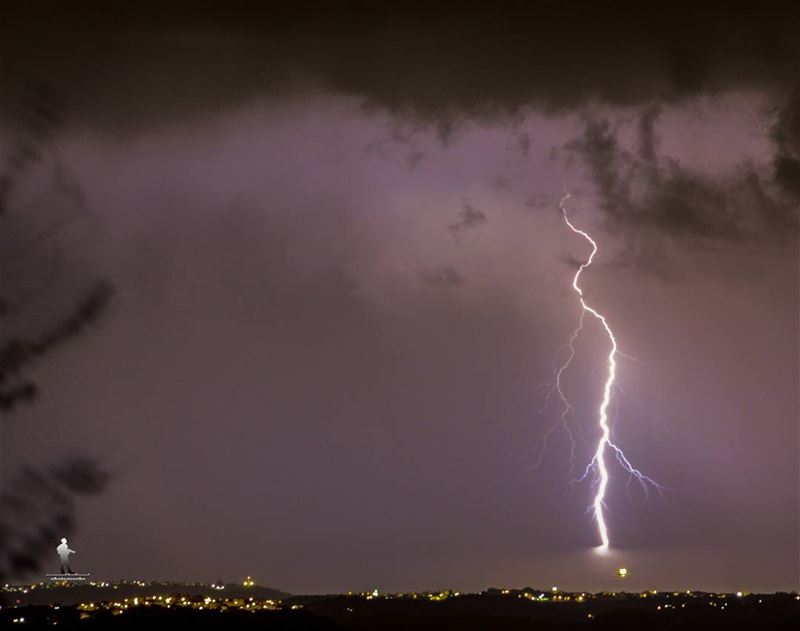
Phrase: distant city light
(214, 601)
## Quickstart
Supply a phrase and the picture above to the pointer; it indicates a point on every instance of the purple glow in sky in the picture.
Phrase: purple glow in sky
(338, 297)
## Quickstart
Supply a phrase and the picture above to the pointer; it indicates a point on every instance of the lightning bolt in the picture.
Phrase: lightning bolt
(597, 467)
(566, 406)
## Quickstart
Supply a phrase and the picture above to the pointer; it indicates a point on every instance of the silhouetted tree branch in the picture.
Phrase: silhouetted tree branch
(37, 508)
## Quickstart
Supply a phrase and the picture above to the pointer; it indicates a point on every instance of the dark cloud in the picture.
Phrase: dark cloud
(646, 197)
(599, 149)
(786, 135)
(401, 141)
(39, 200)
(648, 139)
(469, 218)
(537, 201)
(779, 213)
(524, 144)
(445, 276)
(438, 61)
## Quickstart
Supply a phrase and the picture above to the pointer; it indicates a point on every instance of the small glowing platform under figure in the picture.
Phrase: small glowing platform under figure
(67, 577)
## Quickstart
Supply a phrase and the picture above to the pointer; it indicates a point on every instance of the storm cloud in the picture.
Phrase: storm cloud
(342, 277)
(438, 61)
(649, 198)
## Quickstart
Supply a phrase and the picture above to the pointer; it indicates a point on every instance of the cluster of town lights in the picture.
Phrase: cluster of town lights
(661, 601)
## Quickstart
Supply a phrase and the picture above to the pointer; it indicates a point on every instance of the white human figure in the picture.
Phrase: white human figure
(63, 553)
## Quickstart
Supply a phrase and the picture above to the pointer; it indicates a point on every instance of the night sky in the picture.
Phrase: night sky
(342, 282)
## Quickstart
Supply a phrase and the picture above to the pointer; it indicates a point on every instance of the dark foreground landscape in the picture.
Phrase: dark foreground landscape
(129, 605)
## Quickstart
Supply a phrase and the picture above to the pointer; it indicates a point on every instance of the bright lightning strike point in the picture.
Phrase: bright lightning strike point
(597, 465)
